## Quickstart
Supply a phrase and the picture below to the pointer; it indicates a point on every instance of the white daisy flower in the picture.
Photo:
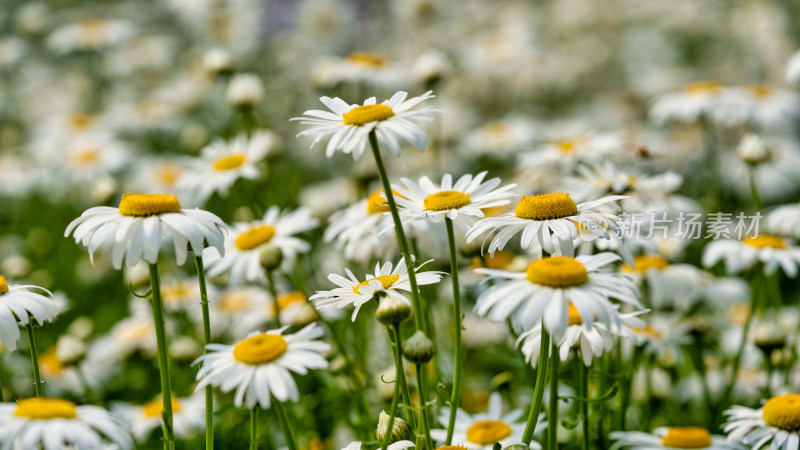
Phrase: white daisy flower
(552, 220)
(669, 285)
(357, 68)
(90, 34)
(480, 431)
(774, 425)
(386, 280)
(772, 251)
(695, 101)
(591, 340)
(399, 445)
(56, 424)
(793, 69)
(188, 416)
(565, 154)
(785, 220)
(259, 366)
(671, 437)
(240, 310)
(246, 241)
(543, 292)
(500, 138)
(19, 304)
(136, 229)
(767, 107)
(461, 201)
(348, 126)
(221, 163)
(663, 337)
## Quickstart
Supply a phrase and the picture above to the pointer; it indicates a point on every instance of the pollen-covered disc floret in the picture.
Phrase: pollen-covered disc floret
(488, 431)
(254, 237)
(765, 241)
(3, 285)
(644, 263)
(229, 162)
(386, 281)
(446, 200)
(364, 114)
(555, 205)
(260, 349)
(686, 437)
(143, 205)
(376, 203)
(783, 412)
(557, 271)
(45, 409)
(154, 408)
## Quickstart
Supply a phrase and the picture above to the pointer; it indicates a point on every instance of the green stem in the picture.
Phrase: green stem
(397, 346)
(37, 379)
(696, 351)
(398, 228)
(201, 279)
(163, 361)
(538, 389)
(754, 190)
(254, 428)
(625, 386)
(456, 392)
(274, 293)
(387, 438)
(552, 421)
(583, 392)
(424, 419)
(286, 425)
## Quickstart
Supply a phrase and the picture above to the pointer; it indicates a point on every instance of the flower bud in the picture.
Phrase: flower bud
(392, 309)
(271, 258)
(418, 348)
(244, 90)
(217, 61)
(400, 430)
(753, 150)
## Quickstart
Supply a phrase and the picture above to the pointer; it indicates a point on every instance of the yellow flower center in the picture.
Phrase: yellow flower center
(376, 204)
(783, 412)
(362, 115)
(80, 121)
(369, 59)
(155, 407)
(486, 432)
(86, 155)
(764, 241)
(290, 298)
(703, 88)
(46, 409)
(451, 447)
(644, 263)
(557, 271)
(168, 173)
(234, 301)
(569, 145)
(260, 349)
(50, 362)
(441, 201)
(176, 292)
(254, 237)
(647, 331)
(500, 259)
(760, 91)
(574, 316)
(554, 205)
(686, 437)
(386, 282)
(229, 162)
(3, 285)
(142, 205)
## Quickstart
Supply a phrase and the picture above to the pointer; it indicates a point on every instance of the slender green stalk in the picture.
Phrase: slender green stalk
(201, 279)
(552, 420)
(457, 354)
(163, 361)
(286, 425)
(625, 385)
(696, 352)
(397, 346)
(583, 392)
(274, 293)
(538, 389)
(387, 438)
(424, 419)
(37, 379)
(254, 428)
(398, 228)
(754, 190)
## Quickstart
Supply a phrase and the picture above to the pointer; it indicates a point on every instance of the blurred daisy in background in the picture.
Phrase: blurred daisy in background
(772, 251)
(775, 424)
(793, 69)
(566, 154)
(387, 279)
(136, 229)
(399, 445)
(188, 416)
(462, 201)
(222, 163)
(347, 126)
(241, 257)
(696, 101)
(784, 220)
(501, 138)
(672, 437)
(91, 34)
(55, 423)
(259, 367)
(669, 285)
(19, 304)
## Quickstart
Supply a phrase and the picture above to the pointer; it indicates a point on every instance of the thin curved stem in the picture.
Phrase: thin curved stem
(401, 374)
(286, 425)
(402, 240)
(457, 354)
(538, 389)
(163, 361)
(424, 418)
(254, 428)
(387, 438)
(37, 379)
(201, 279)
(552, 420)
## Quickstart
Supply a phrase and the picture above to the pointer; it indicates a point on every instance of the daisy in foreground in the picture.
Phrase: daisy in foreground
(461, 202)
(137, 228)
(480, 431)
(776, 423)
(386, 281)
(552, 219)
(671, 437)
(773, 251)
(55, 424)
(259, 366)
(18, 303)
(348, 126)
(246, 241)
(543, 293)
